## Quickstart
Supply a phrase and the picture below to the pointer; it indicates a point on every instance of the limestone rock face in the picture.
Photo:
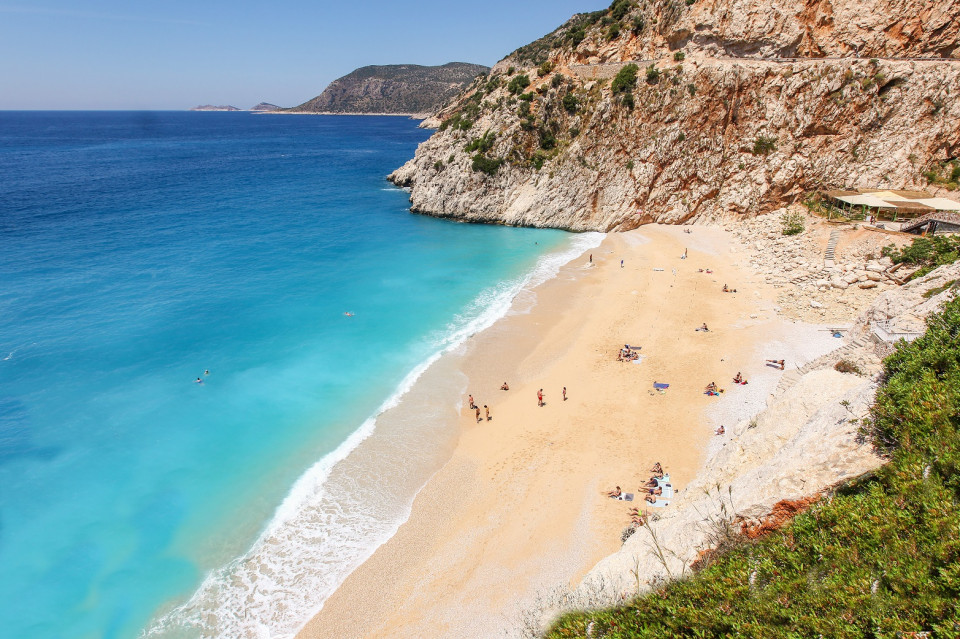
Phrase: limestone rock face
(723, 133)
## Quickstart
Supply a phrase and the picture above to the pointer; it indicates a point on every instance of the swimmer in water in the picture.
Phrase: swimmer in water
(348, 314)
(206, 372)
(199, 381)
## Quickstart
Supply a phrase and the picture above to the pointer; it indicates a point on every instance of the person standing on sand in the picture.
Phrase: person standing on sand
(487, 410)
(540, 397)
(470, 399)
(591, 258)
(478, 414)
(621, 263)
(564, 393)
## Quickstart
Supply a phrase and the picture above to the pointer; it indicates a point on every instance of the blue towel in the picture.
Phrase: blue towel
(660, 386)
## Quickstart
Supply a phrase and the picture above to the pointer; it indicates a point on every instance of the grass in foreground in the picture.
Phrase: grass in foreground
(878, 558)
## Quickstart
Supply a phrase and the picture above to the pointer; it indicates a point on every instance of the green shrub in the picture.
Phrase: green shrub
(764, 145)
(846, 366)
(483, 143)
(692, 89)
(490, 166)
(639, 24)
(518, 84)
(570, 103)
(682, 137)
(557, 80)
(627, 100)
(524, 110)
(620, 8)
(511, 70)
(653, 74)
(792, 223)
(438, 165)
(613, 31)
(548, 140)
(679, 56)
(527, 124)
(626, 79)
(630, 165)
(544, 69)
(526, 97)
(577, 35)
(574, 132)
(926, 252)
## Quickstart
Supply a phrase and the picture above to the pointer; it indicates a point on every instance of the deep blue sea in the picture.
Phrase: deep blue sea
(142, 251)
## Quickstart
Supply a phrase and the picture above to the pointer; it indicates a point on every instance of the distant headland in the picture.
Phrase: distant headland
(395, 89)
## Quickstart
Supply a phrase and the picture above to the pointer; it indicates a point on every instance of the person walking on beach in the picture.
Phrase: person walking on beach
(564, 393)
(591, 258)
(487, 410)
(540, 397)
(470, 399)
(478, 414)
(621, 263)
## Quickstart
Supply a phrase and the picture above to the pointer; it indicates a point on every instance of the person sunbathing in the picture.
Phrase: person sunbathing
(721, 430)
(704, 328)
(616, 492)
(655, 491)
(777, 363)
(504, 387)
(738, 379)
(651, 499)
(657, 468)
(712, 386)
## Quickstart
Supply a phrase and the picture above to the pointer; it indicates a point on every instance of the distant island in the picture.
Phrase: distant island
(265, 107)
(402, 89)
(211, 107)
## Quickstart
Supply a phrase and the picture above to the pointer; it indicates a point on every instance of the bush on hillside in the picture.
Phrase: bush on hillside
(764, 145)
(792, 223)
(626, 79)
(483, 164)
(518, 84)
(926, 252)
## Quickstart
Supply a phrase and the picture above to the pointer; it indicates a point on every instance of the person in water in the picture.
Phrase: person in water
(199, 381)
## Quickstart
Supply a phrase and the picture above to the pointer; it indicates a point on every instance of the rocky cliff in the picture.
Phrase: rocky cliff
(399, 88)
(733, 107)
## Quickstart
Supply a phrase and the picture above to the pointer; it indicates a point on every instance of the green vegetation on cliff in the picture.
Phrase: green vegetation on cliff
(878, 558)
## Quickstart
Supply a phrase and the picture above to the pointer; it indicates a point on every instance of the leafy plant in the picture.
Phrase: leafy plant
(518, 84)
(625, 80)
(764, 145)
(620, 8)
(545, 69)
(653, 74)
(570, 103)
(483, 164)
(792, 223)
(926, 252)
(679, 56)
(483, 143)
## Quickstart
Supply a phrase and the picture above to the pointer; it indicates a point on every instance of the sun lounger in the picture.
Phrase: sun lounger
(660, 386)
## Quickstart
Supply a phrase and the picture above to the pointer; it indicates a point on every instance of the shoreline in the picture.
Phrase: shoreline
(463, 540)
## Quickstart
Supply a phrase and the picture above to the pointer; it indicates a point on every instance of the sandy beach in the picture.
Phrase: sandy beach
(519, 508)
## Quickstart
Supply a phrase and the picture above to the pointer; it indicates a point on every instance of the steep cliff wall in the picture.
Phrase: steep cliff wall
(699, 133)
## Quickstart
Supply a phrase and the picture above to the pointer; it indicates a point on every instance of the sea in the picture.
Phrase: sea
(221, 371)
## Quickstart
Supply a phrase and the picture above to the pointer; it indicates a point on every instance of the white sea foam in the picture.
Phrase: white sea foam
(328, 525)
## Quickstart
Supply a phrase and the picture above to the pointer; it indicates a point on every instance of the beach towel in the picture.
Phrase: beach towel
(626, 497)
(658, 269)
(638, 359)
(660, 386)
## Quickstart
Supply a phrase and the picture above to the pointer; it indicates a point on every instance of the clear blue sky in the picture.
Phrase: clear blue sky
(174, 54)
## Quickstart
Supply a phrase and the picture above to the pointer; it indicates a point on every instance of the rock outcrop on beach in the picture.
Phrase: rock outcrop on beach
(407, 89)
(734, 108)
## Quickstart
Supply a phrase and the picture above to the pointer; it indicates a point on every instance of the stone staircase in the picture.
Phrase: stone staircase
(830, 254)
(847, 351)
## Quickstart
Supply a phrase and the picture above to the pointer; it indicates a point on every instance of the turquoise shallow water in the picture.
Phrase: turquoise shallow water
(140, 249)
